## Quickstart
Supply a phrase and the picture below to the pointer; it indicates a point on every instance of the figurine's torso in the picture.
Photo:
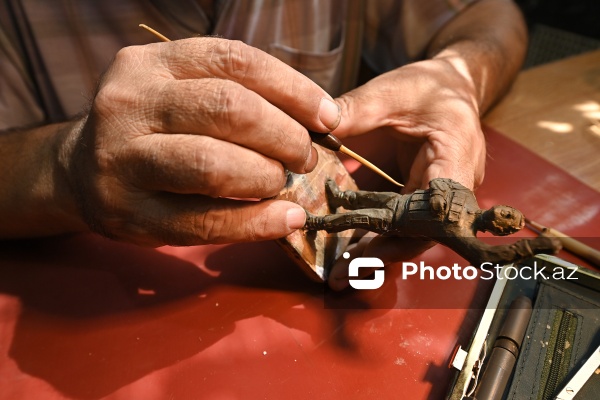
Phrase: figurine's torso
(438, 211)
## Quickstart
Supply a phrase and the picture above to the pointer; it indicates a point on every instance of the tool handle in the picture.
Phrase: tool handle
(326, 140)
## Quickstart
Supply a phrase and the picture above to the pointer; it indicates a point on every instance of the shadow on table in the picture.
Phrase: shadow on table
(98, 315)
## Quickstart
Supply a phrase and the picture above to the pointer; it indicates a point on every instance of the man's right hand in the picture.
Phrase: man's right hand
(180, 133)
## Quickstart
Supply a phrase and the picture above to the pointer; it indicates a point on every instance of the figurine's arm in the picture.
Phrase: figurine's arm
(442, 185)
(439, 195)
(478, 252)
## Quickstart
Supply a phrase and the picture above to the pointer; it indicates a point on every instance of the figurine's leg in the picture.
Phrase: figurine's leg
(355, 200)
(376, 220)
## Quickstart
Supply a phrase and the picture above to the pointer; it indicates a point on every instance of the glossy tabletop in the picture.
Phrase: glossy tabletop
(82, 317)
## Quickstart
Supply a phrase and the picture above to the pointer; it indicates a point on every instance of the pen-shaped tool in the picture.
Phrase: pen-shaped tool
(332, 143)
(574, 246)
(505, 351)
(326, 140)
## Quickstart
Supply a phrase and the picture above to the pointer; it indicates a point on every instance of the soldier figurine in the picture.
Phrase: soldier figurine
(447, 213)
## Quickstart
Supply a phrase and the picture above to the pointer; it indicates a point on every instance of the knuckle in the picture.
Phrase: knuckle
(127, 54)
(281, 143)
(271, 182)
(200, 164)
(306, 149)
(211, 227)
(233, 57)
(227, 107)
(110, 98)
(172, 113)
(125, 87)
(204, 166)
(290, 135)
(293, 149)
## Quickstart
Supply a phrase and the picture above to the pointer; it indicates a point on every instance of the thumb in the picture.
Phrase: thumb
(248, 221)
(360, 112)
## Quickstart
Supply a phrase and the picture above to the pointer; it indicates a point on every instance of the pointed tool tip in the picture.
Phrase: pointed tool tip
(368, 164)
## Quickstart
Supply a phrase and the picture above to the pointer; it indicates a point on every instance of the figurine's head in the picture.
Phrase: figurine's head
(502, 220)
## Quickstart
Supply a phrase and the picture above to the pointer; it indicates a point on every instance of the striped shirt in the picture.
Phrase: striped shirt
(52, 52)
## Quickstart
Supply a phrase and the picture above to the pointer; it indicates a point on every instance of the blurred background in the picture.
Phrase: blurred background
(560, 28)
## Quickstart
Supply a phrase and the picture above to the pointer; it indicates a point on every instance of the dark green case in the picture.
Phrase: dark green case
(564, 330)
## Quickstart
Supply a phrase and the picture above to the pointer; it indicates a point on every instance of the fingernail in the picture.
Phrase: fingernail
(329, 113)
(311, 161)
(296, 218)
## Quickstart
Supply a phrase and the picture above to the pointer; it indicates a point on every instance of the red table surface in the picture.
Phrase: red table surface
(82, 317)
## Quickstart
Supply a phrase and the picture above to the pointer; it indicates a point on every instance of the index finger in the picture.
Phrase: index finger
(256, 70)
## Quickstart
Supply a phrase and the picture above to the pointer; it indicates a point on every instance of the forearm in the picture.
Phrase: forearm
(35, 198)
(486, 43)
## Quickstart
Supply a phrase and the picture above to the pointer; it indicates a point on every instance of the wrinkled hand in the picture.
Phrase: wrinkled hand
(430, 109)
(180, 133)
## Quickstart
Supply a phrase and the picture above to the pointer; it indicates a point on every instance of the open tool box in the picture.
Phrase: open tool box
(559, 355)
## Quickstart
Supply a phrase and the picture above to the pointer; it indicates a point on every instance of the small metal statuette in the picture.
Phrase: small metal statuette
(447, 213)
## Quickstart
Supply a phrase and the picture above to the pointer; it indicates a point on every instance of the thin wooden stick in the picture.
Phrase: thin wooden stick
(155, 32)
(368, 164)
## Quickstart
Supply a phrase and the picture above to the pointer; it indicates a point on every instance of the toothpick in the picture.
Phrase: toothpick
(155, 32)
(368, 164)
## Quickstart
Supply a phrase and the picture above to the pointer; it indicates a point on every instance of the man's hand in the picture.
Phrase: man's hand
(178, 129)
(431, 108)
(182, 139)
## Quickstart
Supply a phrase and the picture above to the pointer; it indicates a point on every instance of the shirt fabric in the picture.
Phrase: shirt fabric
(52, 52)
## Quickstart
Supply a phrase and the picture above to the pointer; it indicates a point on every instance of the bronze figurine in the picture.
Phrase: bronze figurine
(447, 213)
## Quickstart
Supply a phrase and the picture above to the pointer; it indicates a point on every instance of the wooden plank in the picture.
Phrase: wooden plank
(550, 110)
